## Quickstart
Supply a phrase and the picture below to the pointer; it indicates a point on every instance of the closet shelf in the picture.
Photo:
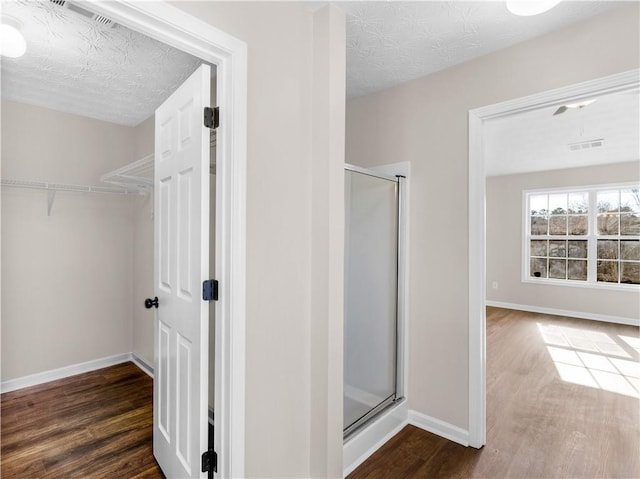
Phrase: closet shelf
(51, 186)
(137, 176)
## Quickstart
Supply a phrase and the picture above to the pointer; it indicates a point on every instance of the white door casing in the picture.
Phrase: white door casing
(175, 27)
(620, 82)
(181, 260)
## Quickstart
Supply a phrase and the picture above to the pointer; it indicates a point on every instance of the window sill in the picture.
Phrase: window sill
(583, 284)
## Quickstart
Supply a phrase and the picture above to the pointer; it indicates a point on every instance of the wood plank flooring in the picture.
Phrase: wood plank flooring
(93, 425)
(538, 425)
(99, 424)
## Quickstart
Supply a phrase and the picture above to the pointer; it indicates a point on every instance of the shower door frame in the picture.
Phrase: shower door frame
(397, 173)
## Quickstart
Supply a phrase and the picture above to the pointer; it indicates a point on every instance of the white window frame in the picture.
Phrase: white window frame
(591, 237)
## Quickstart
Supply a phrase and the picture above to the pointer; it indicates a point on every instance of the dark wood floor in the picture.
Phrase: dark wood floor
(93, 425)
(99, 424)
(538, 425)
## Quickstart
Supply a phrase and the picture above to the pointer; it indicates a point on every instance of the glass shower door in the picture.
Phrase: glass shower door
(371, 291)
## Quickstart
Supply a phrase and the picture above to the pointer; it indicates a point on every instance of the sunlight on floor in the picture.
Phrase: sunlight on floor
(594, 359)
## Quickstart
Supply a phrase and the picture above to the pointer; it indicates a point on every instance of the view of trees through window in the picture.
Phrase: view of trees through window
(586, 236)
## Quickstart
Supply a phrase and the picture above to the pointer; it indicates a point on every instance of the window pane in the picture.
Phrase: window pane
(538, 248)
(630, 273)
(538, 205)
(577, 269)
(607, 249)
(577, 249)
(558, 268)
(558, 248)
(630, 224)
(558, 225)
(630, 200)
(578, 203)
(608, 201)
(608, 224)
(539, 225)
(538, 267)
(578, 225)
(630, 249)
(608, 271)
(558, 204)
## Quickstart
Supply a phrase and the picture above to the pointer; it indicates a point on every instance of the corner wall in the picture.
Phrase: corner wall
(425, 122)
(66, 278)
(143, 284)
(279, 39)
(504, 244)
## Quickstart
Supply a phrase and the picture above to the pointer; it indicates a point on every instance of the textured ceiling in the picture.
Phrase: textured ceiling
(392, 42)
(79, 65)
(539, 141)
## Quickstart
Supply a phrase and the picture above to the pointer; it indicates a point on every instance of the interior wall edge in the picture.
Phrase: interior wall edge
(563, 312)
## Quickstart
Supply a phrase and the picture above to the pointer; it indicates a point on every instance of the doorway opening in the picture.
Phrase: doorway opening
(170, 25)
(478, 118)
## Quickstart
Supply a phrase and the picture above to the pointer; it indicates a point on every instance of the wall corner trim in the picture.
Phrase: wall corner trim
(441, 428)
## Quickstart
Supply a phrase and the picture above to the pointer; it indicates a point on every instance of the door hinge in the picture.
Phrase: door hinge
(212, 117)
(210, 462)
(210, 290)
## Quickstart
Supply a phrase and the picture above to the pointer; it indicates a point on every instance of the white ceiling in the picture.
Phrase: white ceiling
(539, 141)
(79, 65)
(392, 42)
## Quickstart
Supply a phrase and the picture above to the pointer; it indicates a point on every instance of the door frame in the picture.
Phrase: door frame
(620, 82)
(177, 28)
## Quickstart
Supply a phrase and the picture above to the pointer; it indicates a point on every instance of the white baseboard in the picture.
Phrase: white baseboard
(371, 438)
(60, 373)
(441, 428)
(563, 312)
(142, 364)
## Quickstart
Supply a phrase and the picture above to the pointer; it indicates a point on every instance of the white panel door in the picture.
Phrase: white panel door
(181, 202)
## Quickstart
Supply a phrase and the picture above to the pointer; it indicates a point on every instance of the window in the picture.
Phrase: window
(585, 236)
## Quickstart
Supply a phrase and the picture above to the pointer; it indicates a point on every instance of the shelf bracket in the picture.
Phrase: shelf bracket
(51, 196)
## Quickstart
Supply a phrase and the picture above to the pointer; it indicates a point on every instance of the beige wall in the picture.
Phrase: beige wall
(66, 278)
(279, 255)
(504, 244)
(425, 122)
(143, 285)
(327, 243)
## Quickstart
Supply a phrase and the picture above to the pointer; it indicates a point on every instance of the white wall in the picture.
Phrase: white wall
(425, 122)
(504, 244)
(66, 278)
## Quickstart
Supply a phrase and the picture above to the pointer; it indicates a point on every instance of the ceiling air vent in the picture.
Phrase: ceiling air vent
(102, 20)
(586, 145)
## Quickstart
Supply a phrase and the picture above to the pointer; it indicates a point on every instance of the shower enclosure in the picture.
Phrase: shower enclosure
(371, 295)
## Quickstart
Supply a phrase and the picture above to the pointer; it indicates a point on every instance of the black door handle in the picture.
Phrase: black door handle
(148, 303)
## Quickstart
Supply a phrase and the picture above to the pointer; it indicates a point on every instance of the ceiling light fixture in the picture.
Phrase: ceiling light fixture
(12, 43)
(528, 8)
(581, 104)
